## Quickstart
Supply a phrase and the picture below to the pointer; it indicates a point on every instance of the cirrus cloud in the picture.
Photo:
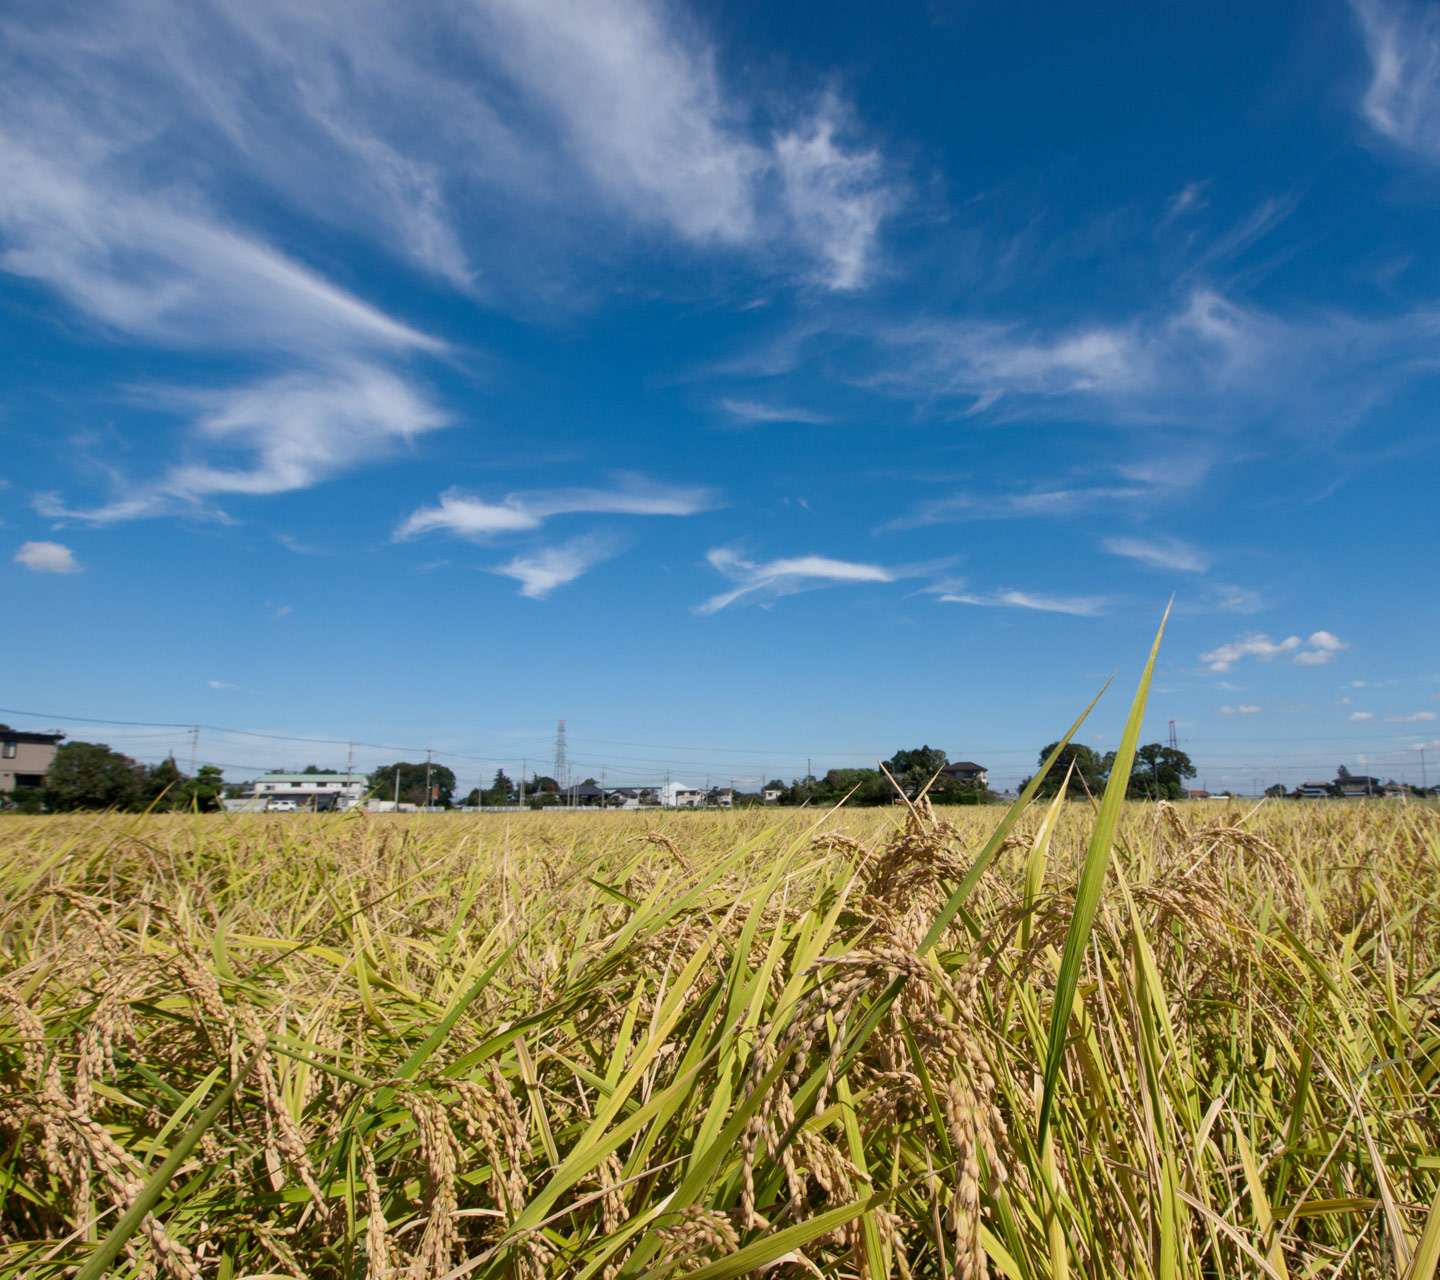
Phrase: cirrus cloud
(773, 578)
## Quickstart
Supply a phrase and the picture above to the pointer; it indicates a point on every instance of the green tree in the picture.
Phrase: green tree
(913, 769)
(202, 792)
(502, 790)
(1159, 774)
(88, 775)
(162, 785)
(1090, 770)
(412, 783)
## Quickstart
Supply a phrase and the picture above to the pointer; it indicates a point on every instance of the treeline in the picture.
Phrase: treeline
(89, 775)
(913, 771)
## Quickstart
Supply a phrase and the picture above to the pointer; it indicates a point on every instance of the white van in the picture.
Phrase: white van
(283, 806)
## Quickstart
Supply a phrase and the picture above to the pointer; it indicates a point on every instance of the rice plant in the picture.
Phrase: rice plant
(1124, 1040)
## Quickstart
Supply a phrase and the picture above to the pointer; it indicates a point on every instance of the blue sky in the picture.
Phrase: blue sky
(740, 387)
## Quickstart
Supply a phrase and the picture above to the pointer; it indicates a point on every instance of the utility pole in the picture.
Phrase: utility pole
(397, 788)
(426, 805)
(194, 748)
(524, 765)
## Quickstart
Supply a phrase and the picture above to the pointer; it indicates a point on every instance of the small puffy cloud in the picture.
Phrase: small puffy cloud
(1357, 717)
(1245, 709)
(1008, 598)
(48, 557)
(1320, 648)
(1418, 717)
(784, 577)
(541, 572)
(1343, 702)
(464, 516)
(1160, 553)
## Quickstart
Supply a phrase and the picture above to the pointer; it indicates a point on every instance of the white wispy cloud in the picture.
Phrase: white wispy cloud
(1053, 503)
(467, 516)
(1008, 598)
(1418, 717)
(285, 433)
(1160, 553)
(541, 572)
(755, 411)
(1402, 102)
(1320, 648)
(1358, 717)
(47, 557)
(1244, 709)
(773, 578)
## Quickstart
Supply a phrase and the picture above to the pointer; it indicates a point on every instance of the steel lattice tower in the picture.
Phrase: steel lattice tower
(562, 767)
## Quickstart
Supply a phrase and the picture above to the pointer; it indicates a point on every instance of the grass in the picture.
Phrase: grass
(722, 1044)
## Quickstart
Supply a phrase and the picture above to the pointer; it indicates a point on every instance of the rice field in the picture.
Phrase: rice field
(716, 1045)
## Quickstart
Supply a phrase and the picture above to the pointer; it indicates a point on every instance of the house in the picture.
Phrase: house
(771, 794)
(724, 797)
(318, 791)
(1358, 786)
(622, 798)
(676, 795)
(1313, 790)
(25, 758)
(966, 771)
(1195, 794)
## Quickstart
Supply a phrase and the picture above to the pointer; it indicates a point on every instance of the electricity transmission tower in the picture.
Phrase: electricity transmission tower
(562, 767)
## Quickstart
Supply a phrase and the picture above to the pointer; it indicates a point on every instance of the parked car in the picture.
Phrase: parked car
(283, 806)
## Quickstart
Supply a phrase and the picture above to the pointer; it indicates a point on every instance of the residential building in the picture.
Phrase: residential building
(311, 790)
(1313, 790)
(676, 795)
(966, 771)
(771, 795)
(723, 797)
(25, 758)
(1358, 786)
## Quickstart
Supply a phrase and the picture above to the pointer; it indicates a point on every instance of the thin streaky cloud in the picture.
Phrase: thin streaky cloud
(464, 515)
(1160, 553)
(1418, 717)
(774, 578)
(755, 411)
(1008, 598)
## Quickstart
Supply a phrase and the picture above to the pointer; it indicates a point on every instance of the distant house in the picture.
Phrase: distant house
(771, 795)
(622, 798)
(1195, 794)
(1358, 786)
(966, 771)
(724, 797)
(676, 795)
(1313, 790)
(319, 791)
(25, 758)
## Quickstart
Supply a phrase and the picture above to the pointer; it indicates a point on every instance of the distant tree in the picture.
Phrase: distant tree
(202, 792)
(773, 785)
(540, 783)
(162, 785)
(1276, 792)
(914, 768)
(238, 790)
(960, 791)
(1090, 770)
(88, 775)
(314, 768)
(412, 783)
(474, 798)
(502, 790)
(1160, 772)
(1342, 772)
